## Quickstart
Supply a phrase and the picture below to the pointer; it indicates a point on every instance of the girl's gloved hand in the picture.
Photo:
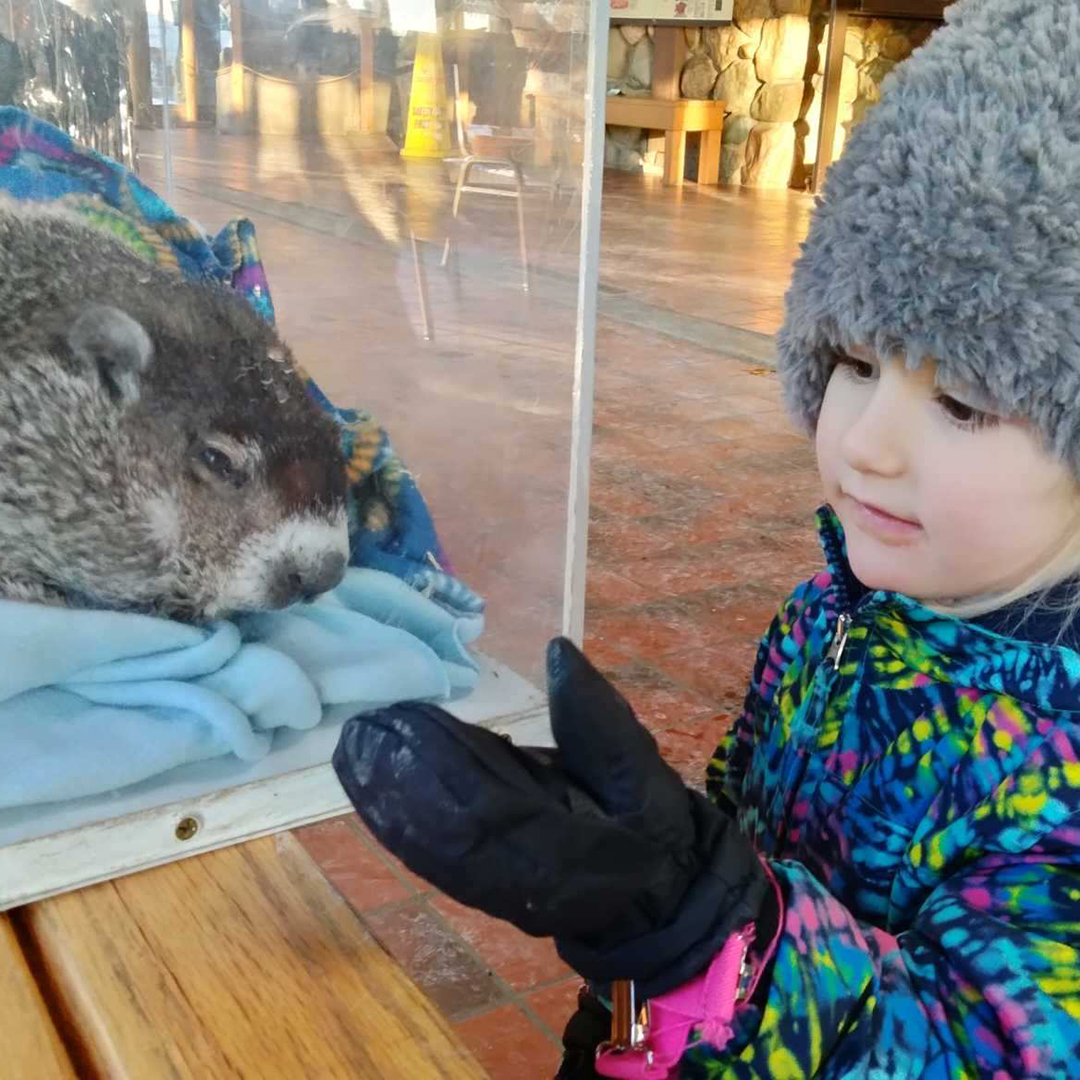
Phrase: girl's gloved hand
(598, 844)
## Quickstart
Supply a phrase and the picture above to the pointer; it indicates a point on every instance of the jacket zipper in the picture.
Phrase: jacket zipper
(839, 641)
(822, 685)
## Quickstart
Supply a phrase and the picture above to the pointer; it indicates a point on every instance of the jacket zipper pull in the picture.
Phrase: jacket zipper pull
(839, 641)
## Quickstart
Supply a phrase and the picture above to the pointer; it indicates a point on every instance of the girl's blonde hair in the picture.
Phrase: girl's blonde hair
(1062, 565)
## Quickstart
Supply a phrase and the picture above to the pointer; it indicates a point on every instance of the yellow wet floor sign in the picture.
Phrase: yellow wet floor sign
(428, 132)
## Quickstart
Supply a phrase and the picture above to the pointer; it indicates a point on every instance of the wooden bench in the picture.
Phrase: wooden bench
(243, 963)
(675, 118)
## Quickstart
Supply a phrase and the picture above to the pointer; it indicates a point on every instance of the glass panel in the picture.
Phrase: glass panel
(414, 175)
(413, 169)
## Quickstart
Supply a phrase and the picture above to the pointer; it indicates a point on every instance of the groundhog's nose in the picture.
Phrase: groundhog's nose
(304, 583)
(331, 571)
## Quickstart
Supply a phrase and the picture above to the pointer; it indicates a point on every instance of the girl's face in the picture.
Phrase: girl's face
(940, 498)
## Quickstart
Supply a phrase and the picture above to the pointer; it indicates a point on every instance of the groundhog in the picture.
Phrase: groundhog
(158, 450)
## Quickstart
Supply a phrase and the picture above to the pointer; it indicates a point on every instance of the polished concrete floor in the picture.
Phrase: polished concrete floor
(702, 494)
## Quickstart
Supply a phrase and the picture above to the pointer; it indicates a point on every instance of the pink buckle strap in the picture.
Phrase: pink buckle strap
(706, 1002)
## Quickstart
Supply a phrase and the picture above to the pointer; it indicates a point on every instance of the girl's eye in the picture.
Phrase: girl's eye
(854, 368)
(965, 416)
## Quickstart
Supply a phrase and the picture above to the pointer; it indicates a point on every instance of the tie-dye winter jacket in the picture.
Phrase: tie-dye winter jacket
(914, 783)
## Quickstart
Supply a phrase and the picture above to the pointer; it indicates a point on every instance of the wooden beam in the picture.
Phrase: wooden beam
(189, 61)
(138, 57)
(367, 74)
(237, 95)
(830, 90)
(669, 55)
(903, 9)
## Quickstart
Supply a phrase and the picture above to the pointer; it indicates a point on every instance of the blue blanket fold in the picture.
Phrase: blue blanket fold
(91, 701)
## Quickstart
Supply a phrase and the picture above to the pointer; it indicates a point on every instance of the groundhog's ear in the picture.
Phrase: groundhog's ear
(116, 345)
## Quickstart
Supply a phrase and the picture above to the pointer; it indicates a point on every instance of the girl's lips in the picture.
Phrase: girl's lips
(881, 522)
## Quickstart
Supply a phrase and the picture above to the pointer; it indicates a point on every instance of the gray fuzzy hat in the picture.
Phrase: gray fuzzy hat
(950, 227)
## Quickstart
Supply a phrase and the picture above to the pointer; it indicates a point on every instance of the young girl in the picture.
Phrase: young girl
(886, 881)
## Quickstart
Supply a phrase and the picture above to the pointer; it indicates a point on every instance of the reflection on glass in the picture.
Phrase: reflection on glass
(413, 171)
(67, 64)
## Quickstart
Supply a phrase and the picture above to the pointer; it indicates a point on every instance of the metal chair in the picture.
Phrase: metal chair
(501, 166)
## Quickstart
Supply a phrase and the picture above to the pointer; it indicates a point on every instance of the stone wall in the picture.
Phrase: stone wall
(767, 66)
(630, 62)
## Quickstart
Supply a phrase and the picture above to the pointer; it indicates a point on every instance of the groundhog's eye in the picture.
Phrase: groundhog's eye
(219, 463)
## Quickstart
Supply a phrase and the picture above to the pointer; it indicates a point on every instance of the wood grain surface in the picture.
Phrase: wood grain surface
(31, 1046)
(243, 962)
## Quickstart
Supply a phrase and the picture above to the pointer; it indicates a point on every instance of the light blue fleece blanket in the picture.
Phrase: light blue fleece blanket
(91, 701)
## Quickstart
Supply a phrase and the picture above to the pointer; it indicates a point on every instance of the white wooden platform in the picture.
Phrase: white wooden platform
(45, 850)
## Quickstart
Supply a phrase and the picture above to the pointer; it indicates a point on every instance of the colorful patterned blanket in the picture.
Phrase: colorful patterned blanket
(40, 162)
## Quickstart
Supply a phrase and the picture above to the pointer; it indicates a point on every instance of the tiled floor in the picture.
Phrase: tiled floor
(702, 502)
(702, 495)
(722, 254)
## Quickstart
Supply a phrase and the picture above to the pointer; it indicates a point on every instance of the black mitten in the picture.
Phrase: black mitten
(599, 845)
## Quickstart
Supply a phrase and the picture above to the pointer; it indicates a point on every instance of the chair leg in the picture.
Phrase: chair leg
(466, 168)
(421, 288)
(459, 187)
(521, 227)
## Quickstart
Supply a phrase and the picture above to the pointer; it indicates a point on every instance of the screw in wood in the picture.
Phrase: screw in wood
(187, 828)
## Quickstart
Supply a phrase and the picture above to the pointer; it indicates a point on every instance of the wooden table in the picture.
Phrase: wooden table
(240, 963)
(675, 119)
(667, 111)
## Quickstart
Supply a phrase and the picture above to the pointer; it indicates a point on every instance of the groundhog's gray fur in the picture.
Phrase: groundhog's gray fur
(158, 451)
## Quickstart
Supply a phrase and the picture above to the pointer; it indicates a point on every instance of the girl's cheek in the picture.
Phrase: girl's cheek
(836, 417)
(827, 452)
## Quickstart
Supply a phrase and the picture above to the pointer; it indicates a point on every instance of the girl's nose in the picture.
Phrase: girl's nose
(877, 440)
